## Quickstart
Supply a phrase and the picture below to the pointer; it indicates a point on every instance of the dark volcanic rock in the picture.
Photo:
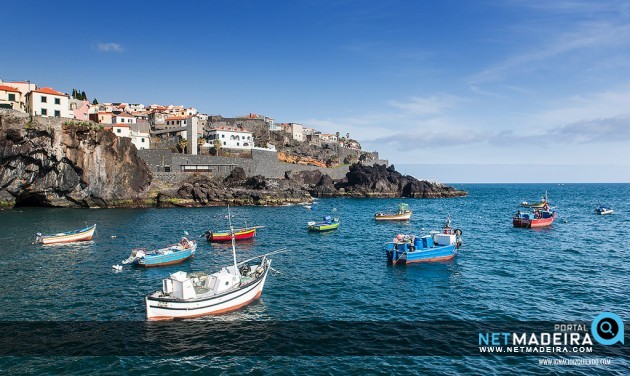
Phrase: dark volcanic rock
(383, 181)
(236, 189)
(304, 177)
(236, 176)
(324, 188)
(45, 162)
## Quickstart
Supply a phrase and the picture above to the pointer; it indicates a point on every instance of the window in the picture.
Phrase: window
(57, 101)
(57, 113)
(43, 99)
(118, 130)
(44, 111)
(142, 140)
(12, 97)
(224, 143)
(223, 136)
(237, 144)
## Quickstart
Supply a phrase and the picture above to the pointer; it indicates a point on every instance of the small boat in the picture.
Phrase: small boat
(83, 234)
(173, 254)
(327, 224)
(539, 218)
(537, 205)
(403, 214)
(199, 294)
(603, 209)
(437, 246)
(225, 235)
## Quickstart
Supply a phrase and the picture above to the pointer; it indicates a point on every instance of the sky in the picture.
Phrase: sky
(464, 84)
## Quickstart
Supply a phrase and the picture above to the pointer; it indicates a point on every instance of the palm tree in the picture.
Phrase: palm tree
(217, 146)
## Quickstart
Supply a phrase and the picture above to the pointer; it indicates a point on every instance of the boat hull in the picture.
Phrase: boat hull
(323, 228)
(169, 259)
(603, 211)
(393, 217)
(226, 237)
(435, 254)
(533, 222)
(85, 234)
(169, 309)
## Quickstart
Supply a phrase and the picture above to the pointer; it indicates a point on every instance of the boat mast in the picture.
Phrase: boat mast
(233, 241)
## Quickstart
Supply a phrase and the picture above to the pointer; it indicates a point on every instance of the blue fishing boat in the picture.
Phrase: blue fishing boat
(173, 254)
(437, 246)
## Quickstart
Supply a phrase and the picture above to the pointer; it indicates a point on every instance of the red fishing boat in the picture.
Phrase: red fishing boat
(539, 218)
(226, 236)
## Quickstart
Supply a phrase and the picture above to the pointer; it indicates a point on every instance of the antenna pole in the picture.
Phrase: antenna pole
(233, 241)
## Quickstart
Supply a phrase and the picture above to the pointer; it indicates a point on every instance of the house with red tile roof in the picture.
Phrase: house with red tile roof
(123, 118)
(11, 97)
(48, 102)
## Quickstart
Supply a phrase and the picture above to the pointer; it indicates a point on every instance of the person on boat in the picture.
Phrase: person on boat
(546, 207)
(518, 213)
(185, 243)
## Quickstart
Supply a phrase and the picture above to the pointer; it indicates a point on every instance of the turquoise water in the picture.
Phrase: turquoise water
(571, 271)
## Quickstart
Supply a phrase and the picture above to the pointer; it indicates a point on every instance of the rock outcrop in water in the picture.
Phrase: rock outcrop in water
(46, 162)
(52, 162)
(235, 189)
(383, 181)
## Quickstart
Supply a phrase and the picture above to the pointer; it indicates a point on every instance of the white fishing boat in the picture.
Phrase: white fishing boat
(188, 295)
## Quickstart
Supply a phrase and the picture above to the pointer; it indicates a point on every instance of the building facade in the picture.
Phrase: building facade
(48, 102)
(231, 138)
(11, 97)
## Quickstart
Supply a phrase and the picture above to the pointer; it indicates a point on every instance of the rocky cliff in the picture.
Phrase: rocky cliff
(52, 162)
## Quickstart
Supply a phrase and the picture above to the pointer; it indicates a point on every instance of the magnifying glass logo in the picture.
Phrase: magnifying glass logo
(606, 327)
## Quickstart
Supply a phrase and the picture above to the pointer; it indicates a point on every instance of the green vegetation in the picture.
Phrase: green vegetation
(80, 95)
(81, 124)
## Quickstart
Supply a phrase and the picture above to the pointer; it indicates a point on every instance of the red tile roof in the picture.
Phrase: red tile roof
(9, 88)
(177, 118)
(121, 125)
(124, 115)
(48, 90)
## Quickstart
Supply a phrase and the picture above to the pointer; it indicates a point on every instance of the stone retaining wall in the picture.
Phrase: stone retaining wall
(167, 165)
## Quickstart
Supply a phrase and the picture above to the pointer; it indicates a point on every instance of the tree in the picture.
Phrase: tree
(217, 146)
(74, 93)
(94, 101)
(83, 96)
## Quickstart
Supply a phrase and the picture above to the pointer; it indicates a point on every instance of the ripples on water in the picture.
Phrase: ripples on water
(569, 272)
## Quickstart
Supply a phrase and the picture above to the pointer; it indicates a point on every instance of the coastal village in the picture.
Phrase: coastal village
(181, 139)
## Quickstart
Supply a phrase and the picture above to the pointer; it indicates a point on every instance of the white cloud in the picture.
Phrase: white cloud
(109, 47)
(432, 105)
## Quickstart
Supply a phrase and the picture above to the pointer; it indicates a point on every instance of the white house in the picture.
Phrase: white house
(326, 137)
(121, 130)
(142, 140)
(296, 131)
(135, 107)
(48, 102)
(11, 97)
(232, 138)
(123, 118)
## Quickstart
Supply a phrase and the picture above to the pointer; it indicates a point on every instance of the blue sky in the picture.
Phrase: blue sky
(431, 82)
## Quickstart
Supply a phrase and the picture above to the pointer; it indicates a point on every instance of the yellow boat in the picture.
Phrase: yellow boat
(403, 214)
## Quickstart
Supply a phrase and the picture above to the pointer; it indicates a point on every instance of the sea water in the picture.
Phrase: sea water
(568, 272)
